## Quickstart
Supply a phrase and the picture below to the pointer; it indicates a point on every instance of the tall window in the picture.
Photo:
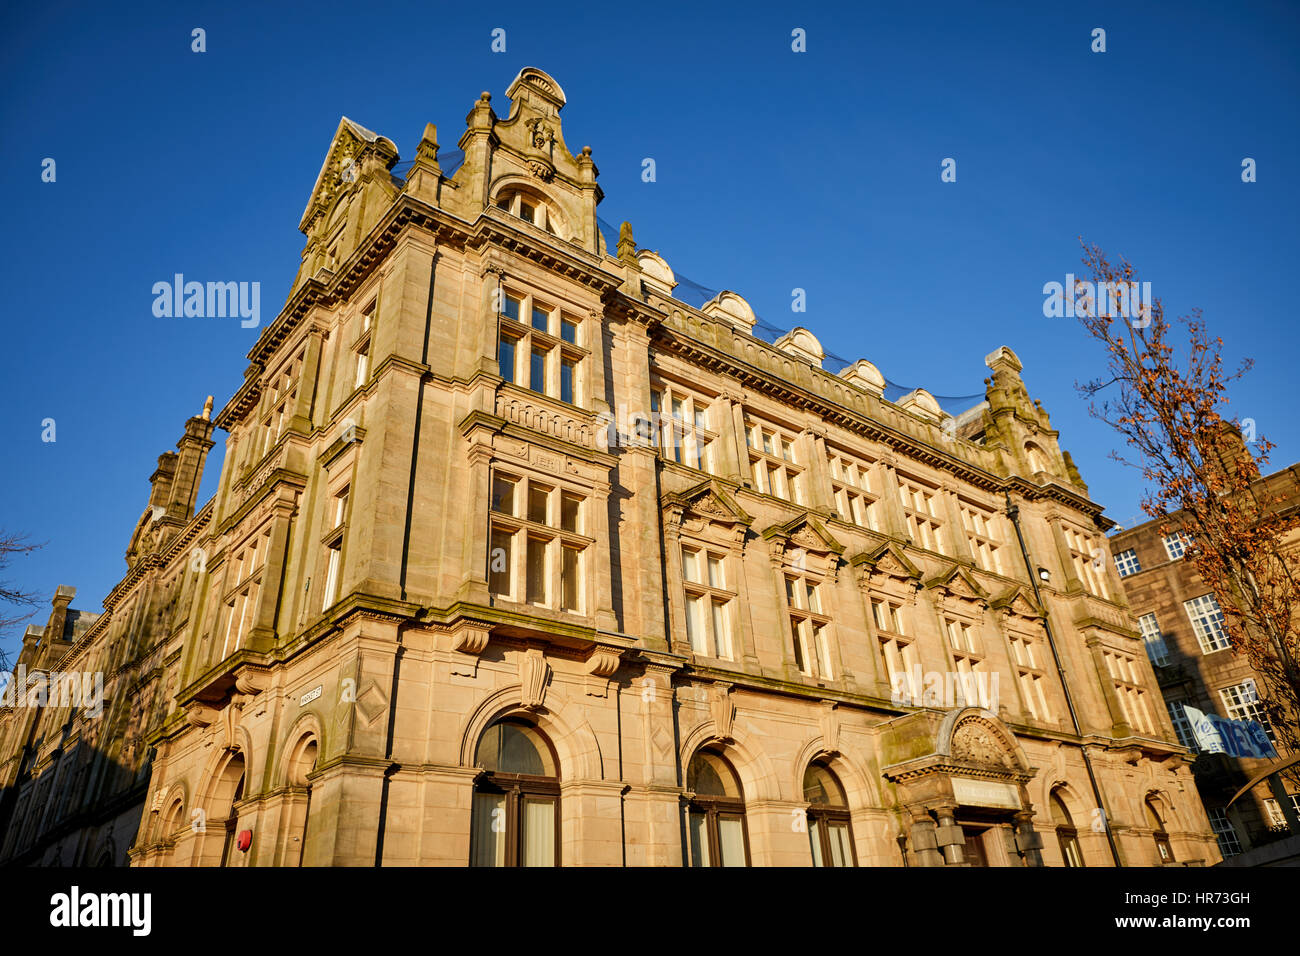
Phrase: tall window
(1175, 545)
(362, 348)
(1164, 849)
(1086, 555)
(810, 626)
(336, 522)
(967, 653)
(854, 489)
(1126, 678)
(1207, 623)
(921, 514)
(1154, 640)
(282, 394)
(515, 815)
(541, 347)
(1126, 563)
(1066, 833)
(1182, 726)
(773, 461)
(684, 433)
(896, 648)
(1224, 831)
(716, 813)
(829, 833)
(245, 585)
(538, 545)
(981, 534)
(1241, 702)
(1027, 656)
(709, 602)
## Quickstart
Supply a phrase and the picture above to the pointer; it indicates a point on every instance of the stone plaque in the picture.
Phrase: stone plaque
(985, 793)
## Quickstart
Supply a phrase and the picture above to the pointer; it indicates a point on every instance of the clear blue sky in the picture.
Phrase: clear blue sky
(775, 170)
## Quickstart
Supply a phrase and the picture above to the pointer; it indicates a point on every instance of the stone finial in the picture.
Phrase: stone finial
(626, 244)
(1003, 359)
(207, 409)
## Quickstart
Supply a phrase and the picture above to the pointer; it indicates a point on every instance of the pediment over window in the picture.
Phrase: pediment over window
(1016, 600)
(958, 582)
(708, 500)
(888, 560)
(803, 531)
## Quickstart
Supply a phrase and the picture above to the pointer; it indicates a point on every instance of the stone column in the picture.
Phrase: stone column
(948, 836)
(923, 841)
(1028, 840)
(818, 489)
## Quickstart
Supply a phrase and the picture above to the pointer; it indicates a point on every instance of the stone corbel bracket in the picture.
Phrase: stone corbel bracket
(602, 662)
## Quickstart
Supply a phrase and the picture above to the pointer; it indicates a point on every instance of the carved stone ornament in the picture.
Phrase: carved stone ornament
(534, 674)
(974, 742)
(830, 721)
(723, 710)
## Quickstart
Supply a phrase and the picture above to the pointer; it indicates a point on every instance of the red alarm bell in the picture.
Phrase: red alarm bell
(244, 840)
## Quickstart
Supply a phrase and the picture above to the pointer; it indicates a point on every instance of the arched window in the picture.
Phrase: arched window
(529, 206)
(515, 816)
(829, 832)
(1037, 459)
(1066, 834)
(1163, 846)
(716, 814)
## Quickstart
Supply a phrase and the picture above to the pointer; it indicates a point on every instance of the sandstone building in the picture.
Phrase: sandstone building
(1187, 642)
(517, 559)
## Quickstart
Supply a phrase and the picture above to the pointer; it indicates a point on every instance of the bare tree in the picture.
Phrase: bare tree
(11, 545)
(1168, 402)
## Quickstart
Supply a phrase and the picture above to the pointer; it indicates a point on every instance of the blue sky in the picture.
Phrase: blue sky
(775, 170)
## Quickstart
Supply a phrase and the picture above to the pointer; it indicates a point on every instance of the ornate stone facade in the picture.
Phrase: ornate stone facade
(434, 615)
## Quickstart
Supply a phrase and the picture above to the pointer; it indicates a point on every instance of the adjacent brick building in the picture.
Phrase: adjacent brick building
(1183, 628)
(434, 615)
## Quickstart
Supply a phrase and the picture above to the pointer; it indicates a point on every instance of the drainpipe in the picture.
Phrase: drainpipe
(1013, 512)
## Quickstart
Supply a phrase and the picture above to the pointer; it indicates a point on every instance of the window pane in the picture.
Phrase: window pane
(815, 838)
(841, 851)
(536, 571)
(569, 507)
(699, 834)
(538, 838)
(813, 603)
(541, 319)
(503, 494)
(720, 630)
(695, 623)
(506, 359)
(691, 565)
(731, 840)
(715, 572)
(799, 661)
(537, 371)
(569, 331)
(512, 306)
(537, 496)
(499, 562)
(566, 380)
(569, 576)
(527, 211)
(488, 830)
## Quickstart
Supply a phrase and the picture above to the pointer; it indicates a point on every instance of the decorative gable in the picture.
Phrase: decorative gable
(353, 150)
(959, 583)
(885, 561)
(1016, 601)
(806, 533)
(708, 500)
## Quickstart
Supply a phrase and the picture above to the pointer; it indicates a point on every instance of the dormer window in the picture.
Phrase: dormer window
(530, 207)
